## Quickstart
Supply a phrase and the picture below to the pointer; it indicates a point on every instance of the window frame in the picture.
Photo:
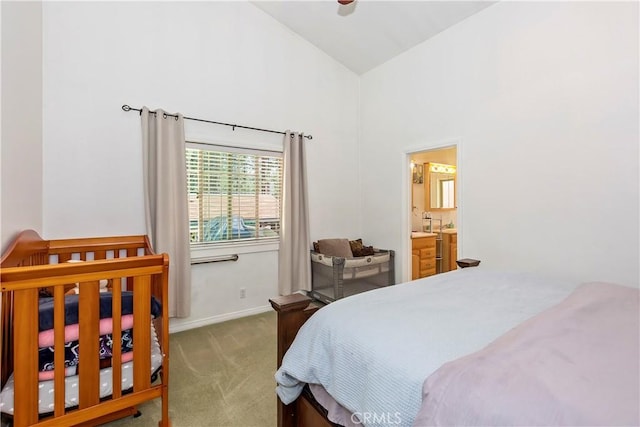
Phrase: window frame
(247, 245)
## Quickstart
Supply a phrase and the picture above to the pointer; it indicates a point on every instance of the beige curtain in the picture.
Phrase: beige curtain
(166, 203)
(294, 265)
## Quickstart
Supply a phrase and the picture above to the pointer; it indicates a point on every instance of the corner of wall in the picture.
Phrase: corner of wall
(21, 109)
(359, 151)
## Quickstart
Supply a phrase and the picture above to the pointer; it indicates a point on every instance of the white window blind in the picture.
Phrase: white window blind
(234, 194)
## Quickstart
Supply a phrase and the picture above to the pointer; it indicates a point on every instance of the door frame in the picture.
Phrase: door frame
(407, 190)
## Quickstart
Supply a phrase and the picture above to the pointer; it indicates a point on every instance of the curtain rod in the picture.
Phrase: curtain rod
(125, 107)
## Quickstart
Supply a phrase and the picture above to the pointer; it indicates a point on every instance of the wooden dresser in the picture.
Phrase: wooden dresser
(449, 250)
(423, 258)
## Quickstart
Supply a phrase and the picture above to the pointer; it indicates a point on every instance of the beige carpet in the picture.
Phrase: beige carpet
(220, 375)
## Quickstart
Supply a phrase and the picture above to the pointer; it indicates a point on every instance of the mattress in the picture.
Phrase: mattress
(373, 351)
(46, 388)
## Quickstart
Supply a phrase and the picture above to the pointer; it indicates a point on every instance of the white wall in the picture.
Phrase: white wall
(223, 61)
(544, 99)
(21, 165)
(541, 96)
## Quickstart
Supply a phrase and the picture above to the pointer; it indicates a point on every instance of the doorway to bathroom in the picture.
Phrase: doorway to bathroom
(433, 211)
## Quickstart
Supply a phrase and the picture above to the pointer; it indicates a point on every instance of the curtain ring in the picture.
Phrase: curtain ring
(164, 115)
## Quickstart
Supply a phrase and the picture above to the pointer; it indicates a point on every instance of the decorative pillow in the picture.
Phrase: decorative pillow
(356, 246)
(335, 247)
(366, 251)
(358, 249)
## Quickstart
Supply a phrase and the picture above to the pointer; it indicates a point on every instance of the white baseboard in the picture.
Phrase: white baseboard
(184, 326)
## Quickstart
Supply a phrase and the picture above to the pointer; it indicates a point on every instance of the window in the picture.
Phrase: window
(447, 195)
(234, 194)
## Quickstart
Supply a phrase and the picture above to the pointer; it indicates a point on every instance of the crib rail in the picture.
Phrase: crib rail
(122, 260)
(27, 249)
(42, 276)
(99, 244)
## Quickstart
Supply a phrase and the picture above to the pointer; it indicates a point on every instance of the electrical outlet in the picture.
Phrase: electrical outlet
(243, 292)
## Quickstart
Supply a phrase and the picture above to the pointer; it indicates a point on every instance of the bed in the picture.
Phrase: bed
(467, 347)
(102, 300)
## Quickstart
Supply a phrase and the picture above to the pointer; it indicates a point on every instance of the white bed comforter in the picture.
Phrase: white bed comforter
(373, 351)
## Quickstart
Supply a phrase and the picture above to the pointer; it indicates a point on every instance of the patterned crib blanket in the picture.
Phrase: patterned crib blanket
(105, 343)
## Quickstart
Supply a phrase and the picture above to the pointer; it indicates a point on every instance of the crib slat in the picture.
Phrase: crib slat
(99, 255)
(89, 362)
(26, 358)
(6, 343)
(116, 360)
(130, 253)
(142, 332)
(63, 258)
(58, 356)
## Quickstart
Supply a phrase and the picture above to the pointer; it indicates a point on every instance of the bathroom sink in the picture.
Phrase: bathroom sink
(418, 234)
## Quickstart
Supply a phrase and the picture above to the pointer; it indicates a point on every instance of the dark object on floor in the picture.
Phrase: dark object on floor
(467, 262)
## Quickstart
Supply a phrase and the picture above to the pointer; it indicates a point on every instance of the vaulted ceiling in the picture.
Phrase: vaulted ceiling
(367, 33)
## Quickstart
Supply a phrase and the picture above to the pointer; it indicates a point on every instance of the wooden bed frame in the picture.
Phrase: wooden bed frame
(26, 270)
(293, 310)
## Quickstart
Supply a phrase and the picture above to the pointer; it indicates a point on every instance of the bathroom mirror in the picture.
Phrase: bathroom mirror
(440, 186)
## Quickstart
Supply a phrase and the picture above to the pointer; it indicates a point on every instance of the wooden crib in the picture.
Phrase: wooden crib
(32, 266)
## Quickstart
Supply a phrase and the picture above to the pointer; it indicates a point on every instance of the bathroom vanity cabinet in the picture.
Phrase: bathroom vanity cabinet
(449, 250)
(423, 256)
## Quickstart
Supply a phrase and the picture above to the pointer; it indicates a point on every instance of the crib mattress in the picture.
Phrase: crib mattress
(46, 388)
